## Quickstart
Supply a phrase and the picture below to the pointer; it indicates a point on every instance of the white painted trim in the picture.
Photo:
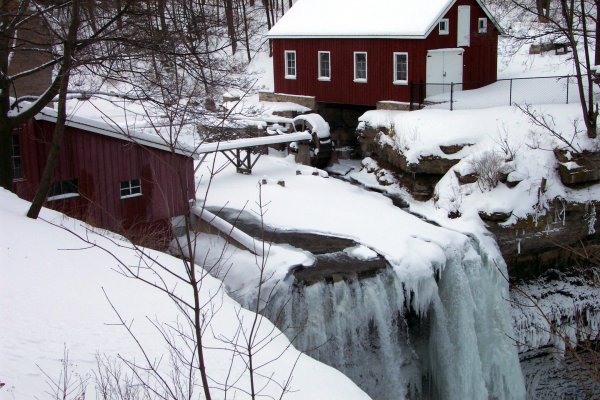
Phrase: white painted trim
(319, 74)
(404, 81)
(285, 62)
(374, 36)
(446, 31)
(63, 196)
(130, 196)
(482, 28)
(365, 79)
(463, 26)
(451, 49)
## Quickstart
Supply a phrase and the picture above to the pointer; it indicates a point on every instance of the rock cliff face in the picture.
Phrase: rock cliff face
(532, 245)
(546, 239)
(419, 179)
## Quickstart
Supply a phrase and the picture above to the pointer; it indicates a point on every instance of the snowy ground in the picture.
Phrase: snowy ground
(52, 298)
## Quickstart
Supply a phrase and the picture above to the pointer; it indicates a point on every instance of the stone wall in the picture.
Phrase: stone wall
(306, 101)
(393, 105)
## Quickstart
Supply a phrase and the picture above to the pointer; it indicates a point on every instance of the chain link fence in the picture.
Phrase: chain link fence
(503, 92)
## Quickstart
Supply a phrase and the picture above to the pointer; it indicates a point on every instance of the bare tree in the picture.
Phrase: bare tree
(52, 42)
(65, 71)
(571, 22)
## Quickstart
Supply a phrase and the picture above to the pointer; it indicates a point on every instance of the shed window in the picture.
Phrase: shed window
(16, 158)
(290, 64)
(444, 26)
(131, 188)
(401, 68)
(64, 190)
(360, 67)
(324, 66)
(482, 25)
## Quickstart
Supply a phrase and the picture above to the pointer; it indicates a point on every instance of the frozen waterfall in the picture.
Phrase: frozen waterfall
(444, 338)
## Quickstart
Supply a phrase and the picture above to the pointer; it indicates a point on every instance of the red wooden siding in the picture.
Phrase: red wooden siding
(480, 63)
(100, 163)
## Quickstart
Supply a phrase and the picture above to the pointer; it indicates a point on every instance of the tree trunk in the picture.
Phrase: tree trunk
(587, 105)
(6, 167)
(230, 24)
(246, 36)
(597, 45)
(48, 174)
(266, 5)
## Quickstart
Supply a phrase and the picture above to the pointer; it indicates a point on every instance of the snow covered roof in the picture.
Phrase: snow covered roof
(103, 128)
(413, 19)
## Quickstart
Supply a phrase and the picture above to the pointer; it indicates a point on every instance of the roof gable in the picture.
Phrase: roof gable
(363, 19)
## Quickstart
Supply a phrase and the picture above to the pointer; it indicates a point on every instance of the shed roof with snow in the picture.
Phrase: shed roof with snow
(399, 19)
(117, 132)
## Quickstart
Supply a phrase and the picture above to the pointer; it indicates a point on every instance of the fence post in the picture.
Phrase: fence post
(568, 81)
(510, 94)
(451, 95)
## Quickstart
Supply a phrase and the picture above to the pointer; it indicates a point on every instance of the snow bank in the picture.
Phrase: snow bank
(524, 151)
(52, 297)
(328, 206)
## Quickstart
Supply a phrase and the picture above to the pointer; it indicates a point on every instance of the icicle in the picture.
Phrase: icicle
(387, 334)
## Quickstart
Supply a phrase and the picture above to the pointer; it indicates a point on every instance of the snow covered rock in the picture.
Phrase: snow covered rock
(578, 169)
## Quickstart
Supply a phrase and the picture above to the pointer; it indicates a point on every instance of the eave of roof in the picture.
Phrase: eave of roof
(102, 128)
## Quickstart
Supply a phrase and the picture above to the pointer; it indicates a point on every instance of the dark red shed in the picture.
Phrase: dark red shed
(364, 51)
(126, 182)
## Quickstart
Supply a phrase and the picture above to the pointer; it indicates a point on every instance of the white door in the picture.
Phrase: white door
(463, 29)
(444, 66)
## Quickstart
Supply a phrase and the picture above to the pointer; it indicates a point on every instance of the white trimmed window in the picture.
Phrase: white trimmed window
(400, 68)
(444, 26)
(482, 25)
(324, 66)
(131, 188)
(360, 66)
(63, 190)
(290, 64)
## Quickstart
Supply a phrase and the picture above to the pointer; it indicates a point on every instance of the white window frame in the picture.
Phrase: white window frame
(286, 67)
(446, 30)
(67, 189)
(322, 77)
(403, 81)
(132, 184)
(356, 78)
(482, 25)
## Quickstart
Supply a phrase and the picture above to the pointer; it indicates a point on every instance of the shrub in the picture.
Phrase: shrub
(489, 167)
